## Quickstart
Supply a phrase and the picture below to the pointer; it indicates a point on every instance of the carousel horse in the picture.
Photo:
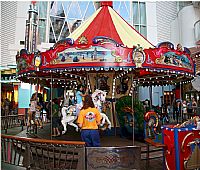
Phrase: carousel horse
(98, 98)
(68, 117)
(68, 113)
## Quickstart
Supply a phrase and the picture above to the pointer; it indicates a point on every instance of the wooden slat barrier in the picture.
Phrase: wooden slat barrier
(11, 121)
(42, 154)
(155, 144)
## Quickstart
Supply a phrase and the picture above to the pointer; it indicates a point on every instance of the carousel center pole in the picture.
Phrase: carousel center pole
(181, 103)
(150, 96)
(162, 102)
(133, 113)
(51, 105)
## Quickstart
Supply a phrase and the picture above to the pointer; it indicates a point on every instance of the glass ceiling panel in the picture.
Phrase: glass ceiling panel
(90, 10)
(83, 6)
(65, 32)
(57, 9)
(116, 5)
(124, 11)
(74, 23)
(74, 11)
(57, 24)
(66, 5)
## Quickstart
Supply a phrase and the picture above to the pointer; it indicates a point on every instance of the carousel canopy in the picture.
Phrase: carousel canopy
(105, 43)
(108, 23)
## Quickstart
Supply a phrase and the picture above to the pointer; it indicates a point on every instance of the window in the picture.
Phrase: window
(63, 16)
(57, 19)
(182, 4)
(139, 17)
(123, 9)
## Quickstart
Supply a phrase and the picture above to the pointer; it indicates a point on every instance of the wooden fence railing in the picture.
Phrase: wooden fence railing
(11, 121)
(42, 154)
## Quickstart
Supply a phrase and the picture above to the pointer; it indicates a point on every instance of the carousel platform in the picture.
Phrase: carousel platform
(107, 138)
(106, 141)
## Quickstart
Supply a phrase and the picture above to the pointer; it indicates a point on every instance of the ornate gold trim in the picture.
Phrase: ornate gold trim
(168, 151)
(182, 145)
(166, 164)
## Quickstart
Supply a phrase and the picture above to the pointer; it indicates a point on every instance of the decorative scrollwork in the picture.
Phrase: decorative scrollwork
(182, 145)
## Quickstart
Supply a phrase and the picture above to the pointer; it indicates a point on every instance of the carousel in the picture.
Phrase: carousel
(109, 55)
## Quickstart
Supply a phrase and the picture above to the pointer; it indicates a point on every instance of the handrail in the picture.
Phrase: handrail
(46, 141)
(9, 121)
(42, 153)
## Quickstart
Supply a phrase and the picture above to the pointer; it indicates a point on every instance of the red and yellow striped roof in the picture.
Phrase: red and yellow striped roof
(107, 22)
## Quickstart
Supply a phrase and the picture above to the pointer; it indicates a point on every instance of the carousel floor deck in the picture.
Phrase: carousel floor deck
(72, 135)
(106, 141)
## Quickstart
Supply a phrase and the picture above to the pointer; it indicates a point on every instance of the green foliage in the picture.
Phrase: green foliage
(138, 112)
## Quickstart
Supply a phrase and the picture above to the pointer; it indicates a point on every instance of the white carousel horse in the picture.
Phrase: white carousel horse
(68, 117)
(98, 98)
(68, 113)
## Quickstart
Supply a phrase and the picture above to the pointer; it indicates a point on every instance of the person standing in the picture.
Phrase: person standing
(55, 118)
(184, 109)
(33, 105)
(79, 98)
(189, 108)
(89, 119)
(194, 106)
(178, 110)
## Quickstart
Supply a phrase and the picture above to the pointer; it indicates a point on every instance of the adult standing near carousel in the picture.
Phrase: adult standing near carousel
(194, 106)
(88, 120)
(178, 109)
(55, 118)
(33, 105)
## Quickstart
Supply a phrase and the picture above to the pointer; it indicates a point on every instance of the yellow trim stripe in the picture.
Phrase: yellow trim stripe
(78, 32)
(128, 36)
